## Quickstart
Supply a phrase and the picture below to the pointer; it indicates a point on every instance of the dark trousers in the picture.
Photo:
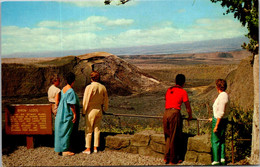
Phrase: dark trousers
(172, 125)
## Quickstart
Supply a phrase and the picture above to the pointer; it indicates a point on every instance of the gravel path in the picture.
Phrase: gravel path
(45, 156)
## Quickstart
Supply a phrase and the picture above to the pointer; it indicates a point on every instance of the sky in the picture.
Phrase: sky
(40, 26)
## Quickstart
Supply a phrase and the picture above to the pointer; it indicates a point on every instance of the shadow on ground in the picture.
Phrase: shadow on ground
(10, 143)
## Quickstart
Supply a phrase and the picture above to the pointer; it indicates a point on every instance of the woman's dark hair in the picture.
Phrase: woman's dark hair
(54, 78)
(95, 76)
(70, 78)
(221, 84)
(180, 79)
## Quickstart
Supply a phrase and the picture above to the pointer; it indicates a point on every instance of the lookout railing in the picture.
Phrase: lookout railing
(198, 120)
(158, 117)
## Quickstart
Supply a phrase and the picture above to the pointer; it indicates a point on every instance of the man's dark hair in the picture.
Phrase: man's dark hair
(180, 79)
(70, 78)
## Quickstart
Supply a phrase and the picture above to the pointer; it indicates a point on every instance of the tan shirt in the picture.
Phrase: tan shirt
(52, 92)
(95, 97)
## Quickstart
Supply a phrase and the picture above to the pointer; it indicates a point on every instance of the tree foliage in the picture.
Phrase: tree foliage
(246, 11)
(239, 130)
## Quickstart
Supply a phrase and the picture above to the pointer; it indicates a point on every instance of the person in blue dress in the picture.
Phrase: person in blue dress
(66, 119)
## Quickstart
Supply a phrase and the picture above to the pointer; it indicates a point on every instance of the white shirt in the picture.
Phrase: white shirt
(52, 92)
(221, 106)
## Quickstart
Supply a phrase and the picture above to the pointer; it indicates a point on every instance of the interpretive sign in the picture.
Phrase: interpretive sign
(32, 119)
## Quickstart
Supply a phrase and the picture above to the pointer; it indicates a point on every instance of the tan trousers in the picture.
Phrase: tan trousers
(93, 121)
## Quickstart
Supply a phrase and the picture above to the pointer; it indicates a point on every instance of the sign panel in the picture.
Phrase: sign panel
(24, 119)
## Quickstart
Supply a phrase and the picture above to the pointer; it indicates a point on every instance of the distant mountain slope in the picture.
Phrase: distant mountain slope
(222, 45)
(232, 57)
(33, 79)
(239, 86)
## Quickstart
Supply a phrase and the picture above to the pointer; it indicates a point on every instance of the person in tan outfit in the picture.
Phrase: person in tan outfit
(95, 102)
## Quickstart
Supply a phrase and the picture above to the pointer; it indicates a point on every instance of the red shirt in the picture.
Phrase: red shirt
(175, 96)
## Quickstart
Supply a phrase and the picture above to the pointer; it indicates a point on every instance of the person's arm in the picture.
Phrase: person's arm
(105, 104)
(73, 109)
(57, 99)
(86, 98)
(188, 109)
(216, 126)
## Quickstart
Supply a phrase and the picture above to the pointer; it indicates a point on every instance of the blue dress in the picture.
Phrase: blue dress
(63, 121)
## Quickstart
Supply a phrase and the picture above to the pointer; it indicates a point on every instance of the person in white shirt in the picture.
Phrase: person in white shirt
(219, 123)
(53, 93)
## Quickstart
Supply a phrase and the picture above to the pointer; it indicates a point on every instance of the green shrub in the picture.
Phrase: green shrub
(241, 128)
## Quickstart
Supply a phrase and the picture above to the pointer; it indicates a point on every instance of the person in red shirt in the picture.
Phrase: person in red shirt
(172, 120)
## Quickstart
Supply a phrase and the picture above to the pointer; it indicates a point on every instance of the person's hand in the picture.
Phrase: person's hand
(215, 129)
(210, 119)
(189, 118)
(74, 118)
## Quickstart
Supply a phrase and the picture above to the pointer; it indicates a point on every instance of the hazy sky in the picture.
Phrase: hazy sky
(36, 26)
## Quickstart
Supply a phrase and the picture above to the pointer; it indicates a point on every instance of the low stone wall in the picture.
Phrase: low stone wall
(150, 143)
(143, 143)
(199, 149)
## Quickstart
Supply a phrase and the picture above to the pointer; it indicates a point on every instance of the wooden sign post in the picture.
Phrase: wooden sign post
(29, 120)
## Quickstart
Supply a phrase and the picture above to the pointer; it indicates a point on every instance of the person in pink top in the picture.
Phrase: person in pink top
(172, 120)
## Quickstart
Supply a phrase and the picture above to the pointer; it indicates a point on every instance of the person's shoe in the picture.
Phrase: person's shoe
(95, 150)
(87, 151)
(171, 163)
(222, 162)
(215, 163)
(180, 161)
(67, 153)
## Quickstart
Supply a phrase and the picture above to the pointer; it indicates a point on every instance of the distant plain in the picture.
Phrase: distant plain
(200, 69)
